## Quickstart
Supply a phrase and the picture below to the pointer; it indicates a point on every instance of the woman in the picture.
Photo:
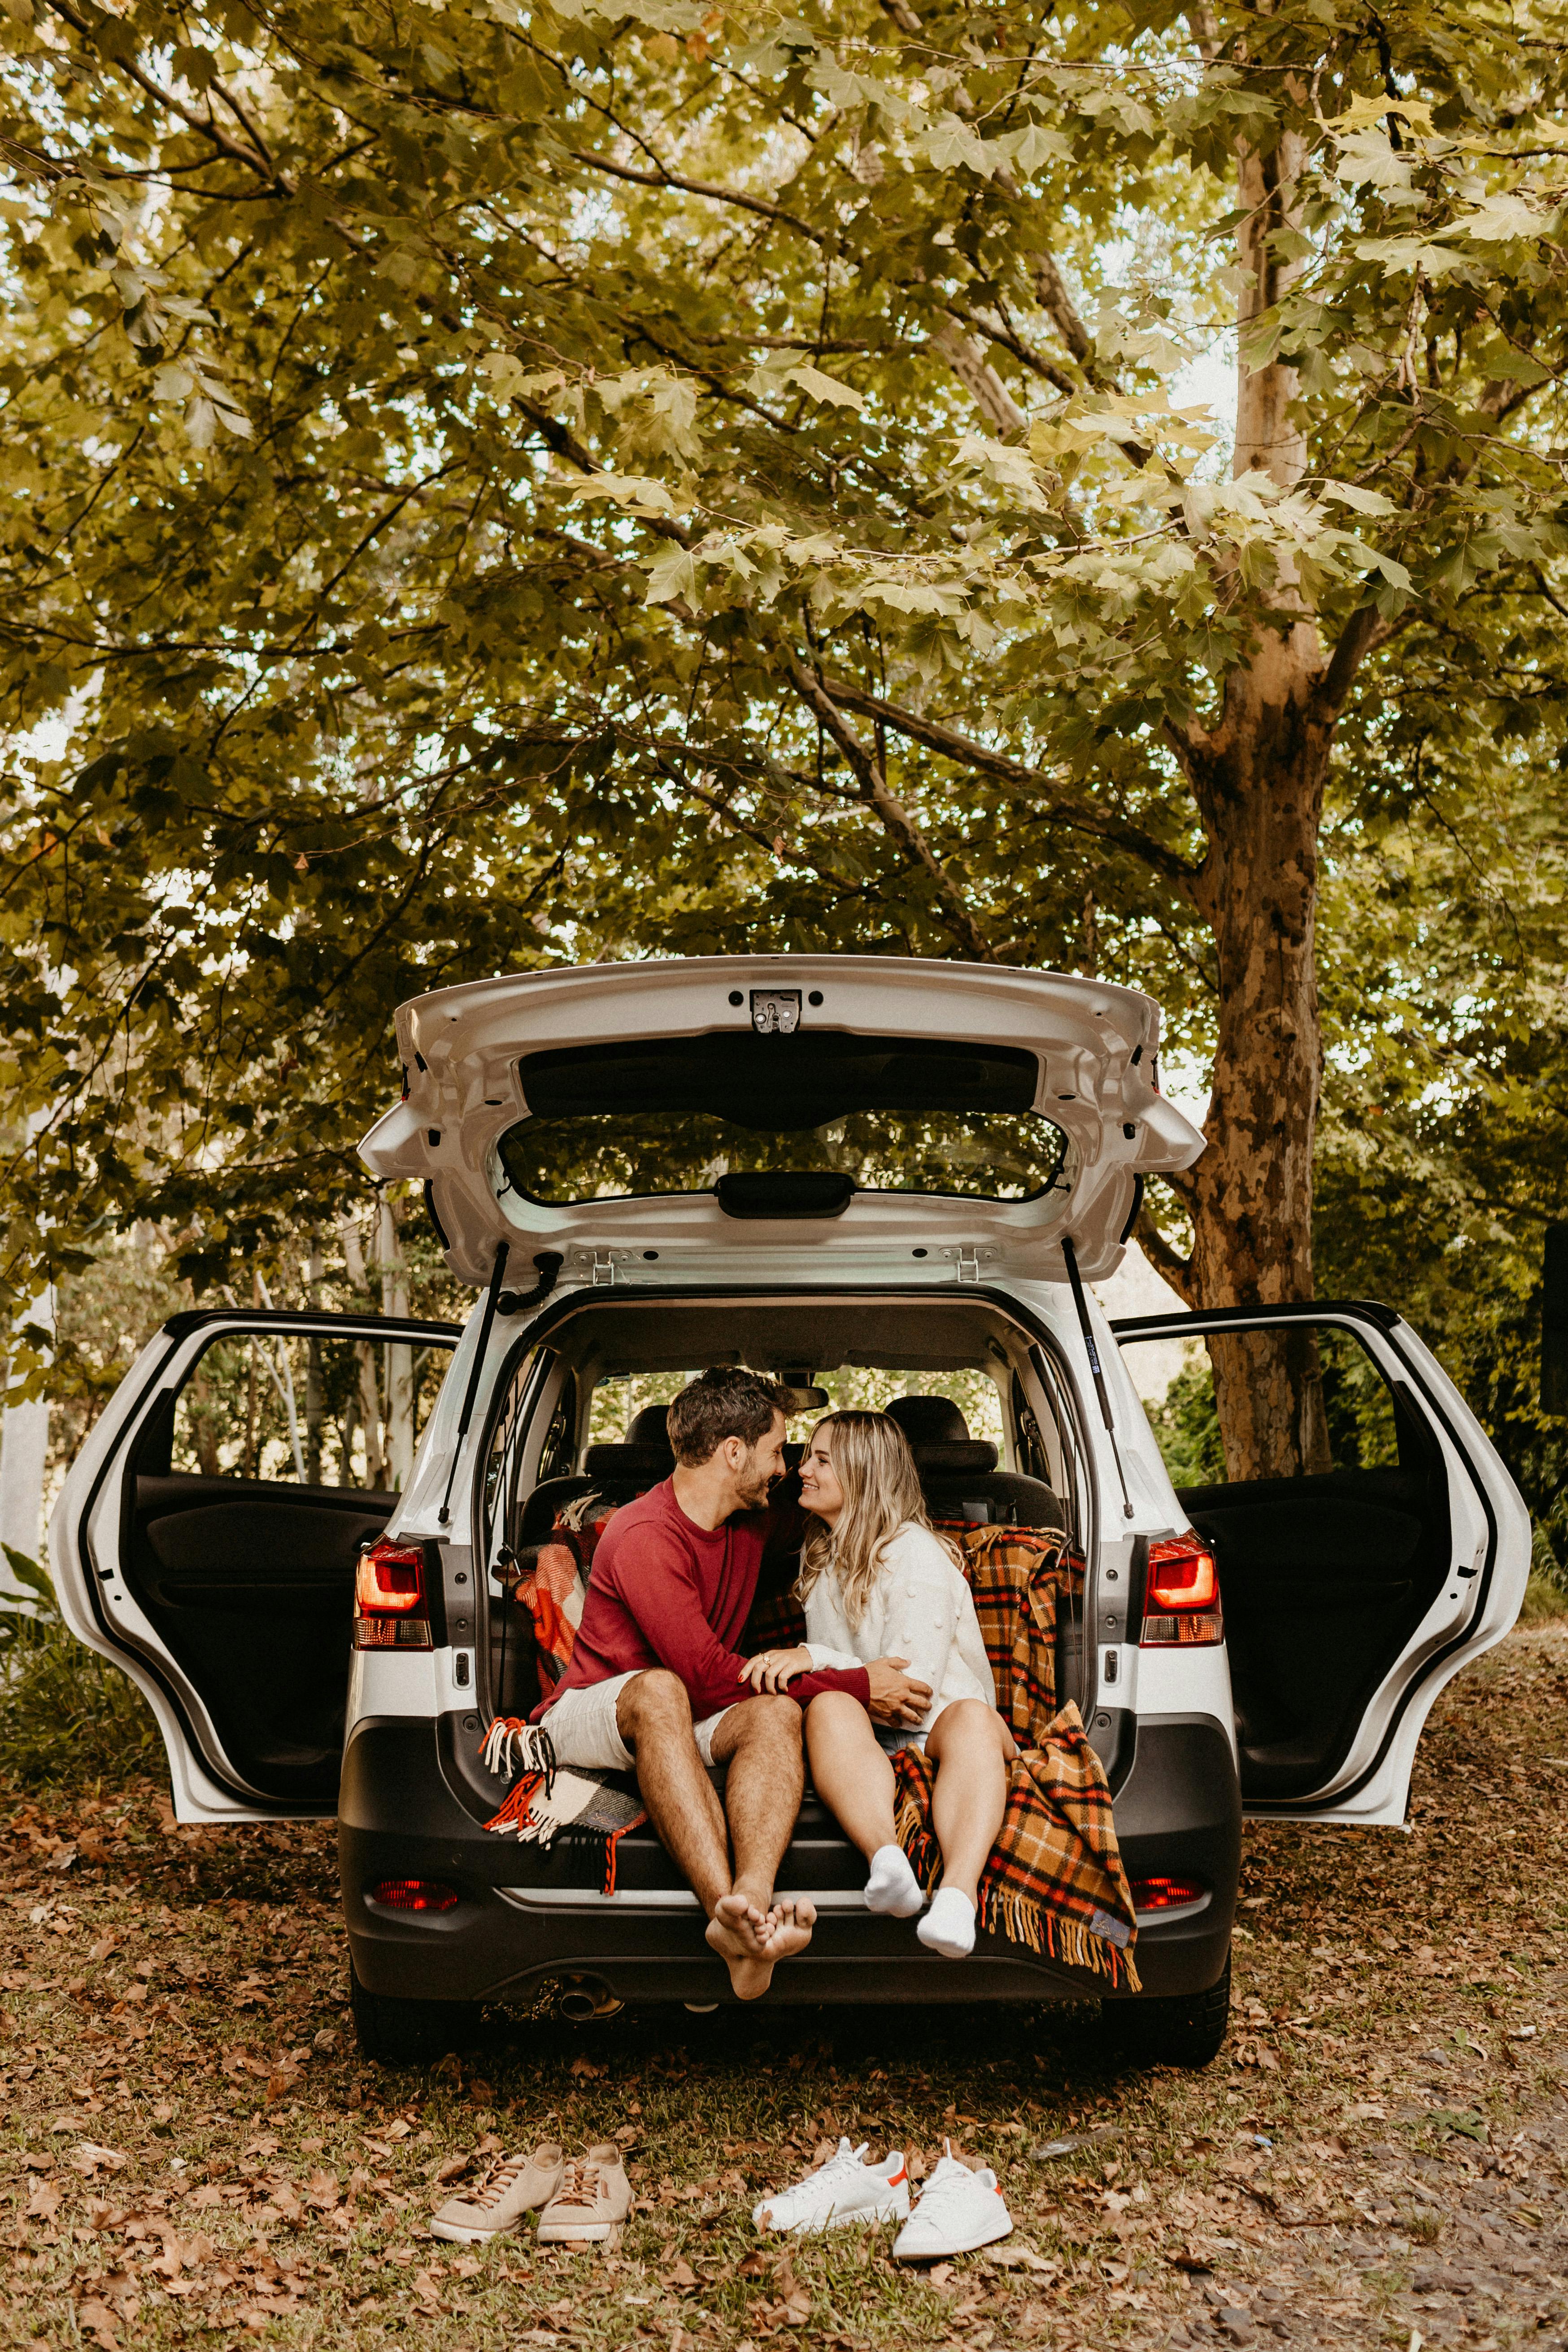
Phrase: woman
(877, 1582)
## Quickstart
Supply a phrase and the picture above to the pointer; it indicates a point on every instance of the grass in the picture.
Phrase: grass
(69, 1719)
(192, 2152)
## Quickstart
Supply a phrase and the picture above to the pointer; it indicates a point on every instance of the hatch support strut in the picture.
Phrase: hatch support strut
(1071, 1254)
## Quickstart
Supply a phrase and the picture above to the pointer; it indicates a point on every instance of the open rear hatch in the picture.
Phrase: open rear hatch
(717, 1114)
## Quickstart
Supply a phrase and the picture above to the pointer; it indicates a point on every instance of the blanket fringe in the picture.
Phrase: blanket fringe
(512, 1819)
(512, 1745)
(1067, 1941)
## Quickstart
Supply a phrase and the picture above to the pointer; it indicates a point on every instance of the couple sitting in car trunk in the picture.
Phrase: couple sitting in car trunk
(893, 1657)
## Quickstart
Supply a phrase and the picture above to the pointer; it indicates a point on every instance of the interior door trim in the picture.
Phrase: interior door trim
(1389, 1322)
(176, 1330)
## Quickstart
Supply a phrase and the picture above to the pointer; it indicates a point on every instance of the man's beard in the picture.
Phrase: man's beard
(756, 1485)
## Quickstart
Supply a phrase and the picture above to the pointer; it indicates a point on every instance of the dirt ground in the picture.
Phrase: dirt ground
(192, 2150)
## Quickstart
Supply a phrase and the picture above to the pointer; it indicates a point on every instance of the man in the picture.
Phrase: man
(656, 1681)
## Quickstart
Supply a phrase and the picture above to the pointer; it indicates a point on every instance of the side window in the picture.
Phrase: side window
(503, 1464)
(1028, 1440)
(305, 1409)
(559, 1458)
(1351, 1420)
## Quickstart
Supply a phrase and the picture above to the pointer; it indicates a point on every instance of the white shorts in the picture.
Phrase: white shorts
(582, 1727)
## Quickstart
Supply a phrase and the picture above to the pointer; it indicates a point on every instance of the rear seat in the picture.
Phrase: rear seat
(959, 1475)
(619, 1473)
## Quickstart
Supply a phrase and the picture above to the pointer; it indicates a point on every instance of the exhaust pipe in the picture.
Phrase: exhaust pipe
(585, 1998)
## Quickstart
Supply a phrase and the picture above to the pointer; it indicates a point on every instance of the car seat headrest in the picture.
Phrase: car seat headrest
(975, 1456)
(650, 1462)
(651, 1427)
(929, 1419)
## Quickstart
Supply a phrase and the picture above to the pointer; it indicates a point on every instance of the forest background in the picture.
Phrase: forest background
(489, 485)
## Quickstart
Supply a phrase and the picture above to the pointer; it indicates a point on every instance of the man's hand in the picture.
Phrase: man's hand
(898, 1699)
(775, 1670)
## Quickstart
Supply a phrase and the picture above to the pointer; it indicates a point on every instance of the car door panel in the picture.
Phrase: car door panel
(228, 1596)
(1350, 1594)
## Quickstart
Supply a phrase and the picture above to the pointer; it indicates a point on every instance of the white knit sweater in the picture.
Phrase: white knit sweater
(920, 1608)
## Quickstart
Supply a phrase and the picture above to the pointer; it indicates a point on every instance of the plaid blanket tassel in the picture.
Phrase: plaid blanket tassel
(547, 1802)
(1054, 1882)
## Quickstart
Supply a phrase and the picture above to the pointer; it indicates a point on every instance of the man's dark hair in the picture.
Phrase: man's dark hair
(722, 1403)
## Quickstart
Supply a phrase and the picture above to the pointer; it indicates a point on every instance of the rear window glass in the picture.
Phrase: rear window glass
(673, 1115)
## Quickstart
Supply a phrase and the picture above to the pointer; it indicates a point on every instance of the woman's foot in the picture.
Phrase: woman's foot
(892, 1888)
(948, 1927)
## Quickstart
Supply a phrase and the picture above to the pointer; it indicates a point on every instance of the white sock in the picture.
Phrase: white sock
(892, 1886)
(948, 1927)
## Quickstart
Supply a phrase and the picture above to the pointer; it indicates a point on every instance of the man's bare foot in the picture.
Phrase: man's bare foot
(749, 1976)
(750, 1923)
(792, 1934)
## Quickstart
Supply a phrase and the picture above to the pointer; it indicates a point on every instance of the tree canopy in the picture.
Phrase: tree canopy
(493, 484)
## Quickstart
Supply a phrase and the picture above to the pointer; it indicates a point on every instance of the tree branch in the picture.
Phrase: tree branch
(866, 766)
(998, 331)
(205, 127)
(1177, 1270)
(1362, 635)
(1058, 305)
(980, 380)
(966, 752)
(665, 179)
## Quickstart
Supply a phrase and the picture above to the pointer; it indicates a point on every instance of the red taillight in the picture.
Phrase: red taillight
(414, 1894)
(1181, 1598)
(390, 1611)
(1165, 1894)
(1181, 1574)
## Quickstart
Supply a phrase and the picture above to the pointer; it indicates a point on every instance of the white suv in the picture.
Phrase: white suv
(817, 1166)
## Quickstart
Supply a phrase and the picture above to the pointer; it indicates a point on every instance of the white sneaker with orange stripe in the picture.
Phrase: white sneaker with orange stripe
(845, 2188)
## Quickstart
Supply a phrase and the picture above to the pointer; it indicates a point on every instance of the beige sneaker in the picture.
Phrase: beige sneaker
(594, 2197)
(513, 2187)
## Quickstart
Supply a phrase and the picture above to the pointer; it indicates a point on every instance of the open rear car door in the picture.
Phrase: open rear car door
(1355, 1589)
(207, 1536)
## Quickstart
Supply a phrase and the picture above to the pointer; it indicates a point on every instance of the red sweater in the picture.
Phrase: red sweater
(666, 1593)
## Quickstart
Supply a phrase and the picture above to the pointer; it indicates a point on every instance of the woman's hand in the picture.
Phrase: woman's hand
(774, 1670)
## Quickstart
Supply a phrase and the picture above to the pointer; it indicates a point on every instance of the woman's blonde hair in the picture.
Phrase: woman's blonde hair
(872, 1463)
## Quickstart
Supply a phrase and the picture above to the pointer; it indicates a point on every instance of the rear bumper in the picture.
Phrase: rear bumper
(407, 1810)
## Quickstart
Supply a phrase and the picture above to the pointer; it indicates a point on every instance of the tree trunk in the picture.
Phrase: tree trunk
(399, 1354)
(1259, 778)
(315, 1385)
(364, 1356)
(1259, 782)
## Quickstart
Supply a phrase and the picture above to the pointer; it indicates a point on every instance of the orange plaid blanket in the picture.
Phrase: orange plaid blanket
(1055, 1881)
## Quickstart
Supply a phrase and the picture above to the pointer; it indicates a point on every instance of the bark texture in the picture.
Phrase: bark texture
(1259, 778)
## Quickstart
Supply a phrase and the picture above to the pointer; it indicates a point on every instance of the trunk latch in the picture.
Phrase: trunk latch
(775, 1012)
